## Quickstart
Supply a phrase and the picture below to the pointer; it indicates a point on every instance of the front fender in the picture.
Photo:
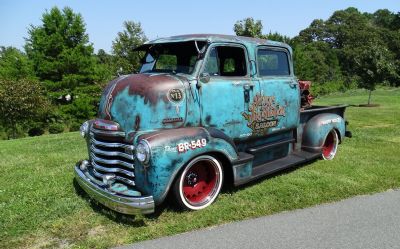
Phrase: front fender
(318, 127)
(168, 157)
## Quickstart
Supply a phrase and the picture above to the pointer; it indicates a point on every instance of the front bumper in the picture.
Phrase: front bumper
(125, 205)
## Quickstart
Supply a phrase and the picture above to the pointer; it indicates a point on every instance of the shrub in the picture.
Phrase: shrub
(35, 131)
(330, 87)
(74, 126)
(3, 133)
(20, 101)
(56, 128)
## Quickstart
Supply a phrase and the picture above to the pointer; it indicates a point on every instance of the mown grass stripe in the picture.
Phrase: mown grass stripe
(40, 207)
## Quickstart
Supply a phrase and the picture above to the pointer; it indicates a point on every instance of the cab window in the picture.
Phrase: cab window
(272, 63)
(174, 57)
(166, 62)
(226, 61)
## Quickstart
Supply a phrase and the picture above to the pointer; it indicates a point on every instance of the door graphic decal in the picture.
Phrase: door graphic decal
(263, 113)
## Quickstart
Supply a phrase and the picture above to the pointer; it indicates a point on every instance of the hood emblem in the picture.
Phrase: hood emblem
(176, 95)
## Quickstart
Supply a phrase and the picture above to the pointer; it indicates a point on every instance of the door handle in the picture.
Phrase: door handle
(293, 84)
(247, 87)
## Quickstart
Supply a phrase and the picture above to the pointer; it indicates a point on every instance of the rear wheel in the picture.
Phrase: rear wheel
(330, 145)
(199, 184)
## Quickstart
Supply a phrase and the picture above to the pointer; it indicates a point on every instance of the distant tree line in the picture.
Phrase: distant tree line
(348, 50)
(56, 82)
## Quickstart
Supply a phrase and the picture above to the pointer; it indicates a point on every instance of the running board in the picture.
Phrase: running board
(270, 145)
(283, 163)
(291, 160)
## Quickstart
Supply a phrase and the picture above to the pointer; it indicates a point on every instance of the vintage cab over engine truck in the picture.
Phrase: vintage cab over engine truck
(203, 109)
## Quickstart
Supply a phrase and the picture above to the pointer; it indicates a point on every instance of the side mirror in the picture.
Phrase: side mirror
(204, 77)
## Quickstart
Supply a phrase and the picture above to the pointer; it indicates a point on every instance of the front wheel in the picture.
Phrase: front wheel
(329, 148)
(199, 184)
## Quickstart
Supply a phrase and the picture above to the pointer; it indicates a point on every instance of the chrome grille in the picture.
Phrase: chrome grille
(111, 155)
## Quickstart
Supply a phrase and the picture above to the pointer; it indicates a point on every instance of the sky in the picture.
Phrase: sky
(104, 19)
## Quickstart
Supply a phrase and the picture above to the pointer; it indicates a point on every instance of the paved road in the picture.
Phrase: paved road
(362, 222)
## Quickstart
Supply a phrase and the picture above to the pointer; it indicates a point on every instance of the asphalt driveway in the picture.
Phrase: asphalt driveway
(371, 221)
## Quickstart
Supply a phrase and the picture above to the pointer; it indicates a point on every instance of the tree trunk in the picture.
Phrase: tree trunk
(369, 97)
(13, 129)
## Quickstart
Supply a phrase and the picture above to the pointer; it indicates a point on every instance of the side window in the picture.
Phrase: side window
(272, 63)
(229, 66)
(226, 61)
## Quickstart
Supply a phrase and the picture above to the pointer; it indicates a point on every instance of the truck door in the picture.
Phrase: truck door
(276, 104)
(228, 90)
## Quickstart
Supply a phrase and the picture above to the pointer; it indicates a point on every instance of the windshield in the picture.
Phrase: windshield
(176, 57)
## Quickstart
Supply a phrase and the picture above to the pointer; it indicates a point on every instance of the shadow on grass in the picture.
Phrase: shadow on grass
(169, 204)
(132, 220)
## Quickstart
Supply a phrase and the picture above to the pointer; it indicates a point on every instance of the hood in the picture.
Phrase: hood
(145, 102)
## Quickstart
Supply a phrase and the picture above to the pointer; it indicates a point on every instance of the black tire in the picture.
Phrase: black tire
(199, 184)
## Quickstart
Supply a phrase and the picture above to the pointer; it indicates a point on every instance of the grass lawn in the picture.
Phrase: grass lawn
(40, 207)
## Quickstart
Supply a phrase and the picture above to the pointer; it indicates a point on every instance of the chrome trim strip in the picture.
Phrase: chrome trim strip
(114, 161)
(126, 205)
(122, 179)
(108, 133)
(93, 179)
(111, 145)
(113, 170)
(110, 153)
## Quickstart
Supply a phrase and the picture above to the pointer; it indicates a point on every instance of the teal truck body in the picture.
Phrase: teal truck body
(203, 110)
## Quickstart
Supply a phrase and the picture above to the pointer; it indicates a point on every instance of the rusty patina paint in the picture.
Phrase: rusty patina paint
(106, 125)
(180, 117)
(140, 102)
(318, 127)
(169, 161)
(147, 86)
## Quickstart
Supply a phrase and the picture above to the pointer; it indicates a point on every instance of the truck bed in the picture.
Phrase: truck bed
(307, 114)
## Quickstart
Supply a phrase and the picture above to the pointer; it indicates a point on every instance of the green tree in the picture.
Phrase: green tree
(385, 19)
(373, 64)
(20, 101)
(388, 25)
(278, 37)
(126, 60)
(315, 32)
(60, 50)
(14, 64)
(396, 22)
(64, 61)
(364, 52)
(248, 27)
(319, 63)
(311, 63)
(105, 68)
(350, 36)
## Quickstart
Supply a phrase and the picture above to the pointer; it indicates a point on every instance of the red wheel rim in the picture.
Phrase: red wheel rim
(200, 182)
(329, 147)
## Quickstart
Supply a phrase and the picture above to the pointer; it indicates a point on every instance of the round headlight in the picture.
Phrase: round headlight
(143, 152)
(84, 129)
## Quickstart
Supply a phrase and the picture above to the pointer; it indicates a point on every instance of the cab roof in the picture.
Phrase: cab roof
(218, 38)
